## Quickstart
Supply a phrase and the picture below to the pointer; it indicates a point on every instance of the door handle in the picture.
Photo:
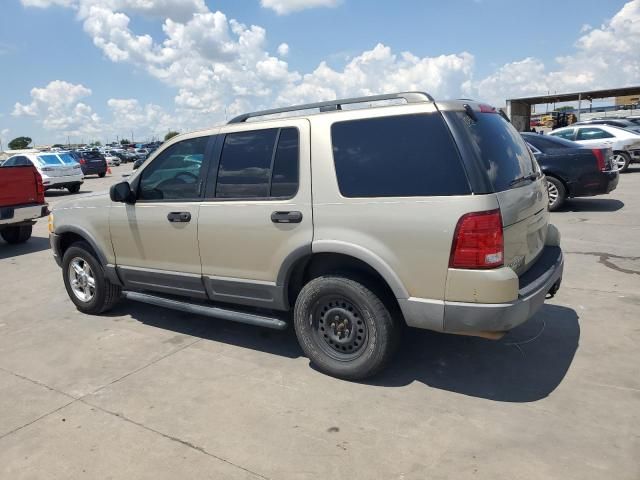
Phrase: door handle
(179, 217)
(286, 217)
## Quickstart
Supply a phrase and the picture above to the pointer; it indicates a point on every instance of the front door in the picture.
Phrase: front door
(155, 240)
(257, 213)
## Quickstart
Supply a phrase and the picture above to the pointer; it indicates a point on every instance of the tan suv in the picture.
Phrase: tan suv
(349, 221)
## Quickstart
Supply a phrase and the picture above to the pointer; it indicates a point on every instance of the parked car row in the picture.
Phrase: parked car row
(623, 140)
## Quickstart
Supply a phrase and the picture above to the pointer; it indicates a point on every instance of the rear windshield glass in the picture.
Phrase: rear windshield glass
(49, 159)
(398, 156)
(504, 153)
(67, 158)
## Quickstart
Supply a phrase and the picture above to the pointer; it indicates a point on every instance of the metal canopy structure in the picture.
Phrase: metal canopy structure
(519, 109)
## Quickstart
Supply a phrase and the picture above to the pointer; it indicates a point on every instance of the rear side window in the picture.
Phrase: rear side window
(500, 147)
(67, 158)
(566, 134)
(399, 156)
(592, 134)
(259, 164)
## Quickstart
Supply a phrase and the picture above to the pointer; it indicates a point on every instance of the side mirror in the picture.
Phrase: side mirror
(121, 192)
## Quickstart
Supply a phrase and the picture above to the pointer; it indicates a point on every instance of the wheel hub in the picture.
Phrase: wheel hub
(339, 328)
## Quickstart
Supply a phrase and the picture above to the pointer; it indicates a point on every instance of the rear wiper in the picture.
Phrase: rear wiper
(531, 177)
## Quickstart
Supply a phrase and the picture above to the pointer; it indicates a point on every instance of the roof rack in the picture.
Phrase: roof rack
(331, 106)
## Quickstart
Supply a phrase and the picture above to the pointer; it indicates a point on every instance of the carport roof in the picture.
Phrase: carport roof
(570, 97)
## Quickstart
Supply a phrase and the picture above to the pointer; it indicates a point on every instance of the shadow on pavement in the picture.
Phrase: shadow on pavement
(33, 245)
(591, 205)
(525, 366)
(283, 343)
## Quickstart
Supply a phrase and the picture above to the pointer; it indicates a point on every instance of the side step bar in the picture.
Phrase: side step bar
(215, 312)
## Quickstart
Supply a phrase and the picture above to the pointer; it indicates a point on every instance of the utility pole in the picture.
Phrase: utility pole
(132, 141)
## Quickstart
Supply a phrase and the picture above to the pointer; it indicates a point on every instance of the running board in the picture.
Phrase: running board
(215, 312)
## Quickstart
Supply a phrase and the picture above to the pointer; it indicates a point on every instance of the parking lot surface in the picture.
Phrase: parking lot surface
(143, 392)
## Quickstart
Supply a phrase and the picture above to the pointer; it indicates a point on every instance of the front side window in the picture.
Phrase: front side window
(176, 174)
(259, 164)
(398, 156)
(592, 134)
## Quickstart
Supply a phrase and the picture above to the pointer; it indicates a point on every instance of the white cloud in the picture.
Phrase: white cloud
(284, 7)
(220, 67)
(283, 49)
(605, 57)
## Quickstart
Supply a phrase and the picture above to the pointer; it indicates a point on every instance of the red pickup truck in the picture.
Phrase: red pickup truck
(21, 202)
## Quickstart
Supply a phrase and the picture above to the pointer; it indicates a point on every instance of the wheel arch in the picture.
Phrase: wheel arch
(336, 257)
(68, 235)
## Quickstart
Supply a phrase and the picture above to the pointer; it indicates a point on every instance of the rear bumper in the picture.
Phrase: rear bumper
(465, 317)
(22, 214)
(596, 184)
(62, 182)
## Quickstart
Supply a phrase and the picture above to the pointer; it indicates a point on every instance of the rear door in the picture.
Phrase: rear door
(517, 182)
(257, 212)
(594, 136)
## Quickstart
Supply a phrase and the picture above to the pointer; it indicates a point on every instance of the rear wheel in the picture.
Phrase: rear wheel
(557, 193)
(15, 235)
(622, 160)
(74, 188)
(101, 175)
(344, 328)
(84, 279)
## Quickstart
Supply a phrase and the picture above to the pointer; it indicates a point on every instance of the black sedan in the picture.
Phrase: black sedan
(572, 170)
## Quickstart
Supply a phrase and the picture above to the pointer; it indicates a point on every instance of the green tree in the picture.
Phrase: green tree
(124, 141)
(170, 134)
(566, 108)
(19, 143)
(97, 143)
(57, 145)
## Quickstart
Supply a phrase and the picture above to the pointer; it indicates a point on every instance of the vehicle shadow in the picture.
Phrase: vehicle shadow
(33, 245)
(525, 366)
(591, 205)
(276, 342)
(64, 193)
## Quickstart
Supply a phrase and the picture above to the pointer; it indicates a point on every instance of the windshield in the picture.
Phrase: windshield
(49, 160)
(500, 147)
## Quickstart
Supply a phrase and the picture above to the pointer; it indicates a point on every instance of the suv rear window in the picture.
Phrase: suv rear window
(498, 144)
(398, 156)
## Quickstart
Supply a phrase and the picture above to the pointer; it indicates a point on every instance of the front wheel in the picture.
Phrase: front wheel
(15, 235)
(557, 193)
(344, 328)
(85, 282)
(622, 160)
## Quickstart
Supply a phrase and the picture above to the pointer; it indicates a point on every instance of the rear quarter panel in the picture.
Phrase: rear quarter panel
(407, 239)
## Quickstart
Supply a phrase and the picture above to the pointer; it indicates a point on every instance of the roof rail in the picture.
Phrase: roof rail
(409, 97)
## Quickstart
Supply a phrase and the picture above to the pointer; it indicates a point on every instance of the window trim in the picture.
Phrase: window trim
(214, 168)
(206, 161)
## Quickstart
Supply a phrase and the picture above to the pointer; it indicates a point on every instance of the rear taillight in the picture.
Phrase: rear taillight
(82, 161)
(599, 154)
(478, 241)
(39, 187)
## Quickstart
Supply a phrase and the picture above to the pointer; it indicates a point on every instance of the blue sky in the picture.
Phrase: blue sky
(93, 53)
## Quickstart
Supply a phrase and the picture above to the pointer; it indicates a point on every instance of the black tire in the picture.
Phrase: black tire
(622, 161)
(557, 193)
(15, 235)
(370, 333)
(101, 175)
(74, 188)
(105, 295)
